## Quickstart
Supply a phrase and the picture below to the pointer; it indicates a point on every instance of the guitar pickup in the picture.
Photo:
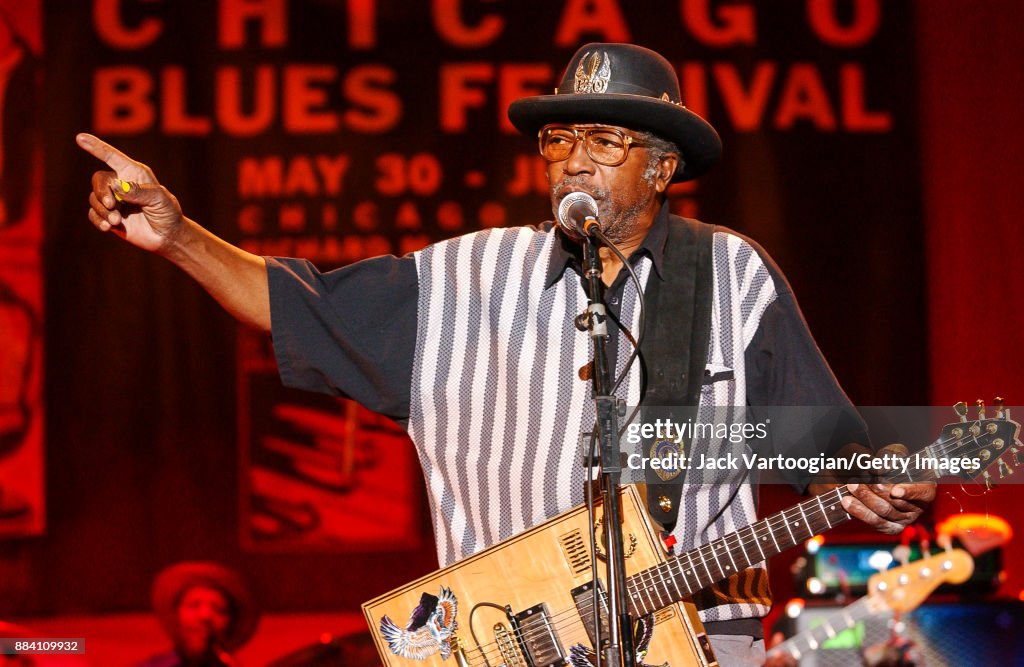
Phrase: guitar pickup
(537, 638)
(583, 596)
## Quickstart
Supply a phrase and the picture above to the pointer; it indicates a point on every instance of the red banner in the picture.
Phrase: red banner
(22, 475)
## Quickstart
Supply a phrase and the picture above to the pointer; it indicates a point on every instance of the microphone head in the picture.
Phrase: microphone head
(574, 209)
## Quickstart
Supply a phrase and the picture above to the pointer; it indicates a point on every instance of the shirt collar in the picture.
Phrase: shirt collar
(567, 252)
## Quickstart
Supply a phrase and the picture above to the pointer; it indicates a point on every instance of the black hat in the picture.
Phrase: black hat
(626, 85)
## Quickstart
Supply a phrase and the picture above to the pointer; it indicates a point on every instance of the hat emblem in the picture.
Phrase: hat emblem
(593, 73)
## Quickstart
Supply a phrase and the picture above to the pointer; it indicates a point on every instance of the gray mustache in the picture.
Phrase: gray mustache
(572, 183)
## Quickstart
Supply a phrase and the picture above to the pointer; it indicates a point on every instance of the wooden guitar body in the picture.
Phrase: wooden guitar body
(540, 575)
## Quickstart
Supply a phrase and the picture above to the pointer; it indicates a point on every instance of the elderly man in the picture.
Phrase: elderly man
(471, 342)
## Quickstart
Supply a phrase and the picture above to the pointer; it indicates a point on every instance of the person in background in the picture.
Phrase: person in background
(207, 612)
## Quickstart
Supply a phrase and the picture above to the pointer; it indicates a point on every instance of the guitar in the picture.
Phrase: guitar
(529, 600)
(900, 589)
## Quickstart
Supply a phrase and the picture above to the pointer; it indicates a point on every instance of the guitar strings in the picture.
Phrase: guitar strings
(559, 621)
(562, 619)
(772, 523)
(655, 575)
(770, 526)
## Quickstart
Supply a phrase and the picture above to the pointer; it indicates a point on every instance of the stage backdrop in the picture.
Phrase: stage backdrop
(338, 130)
(22, 472)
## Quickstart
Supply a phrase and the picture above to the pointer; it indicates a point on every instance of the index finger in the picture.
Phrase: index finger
(100, 149)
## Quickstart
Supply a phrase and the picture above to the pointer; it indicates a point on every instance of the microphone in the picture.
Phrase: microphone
(214, 647)
(577, 212)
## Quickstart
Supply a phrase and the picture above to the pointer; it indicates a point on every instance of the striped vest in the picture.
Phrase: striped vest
(498, 408)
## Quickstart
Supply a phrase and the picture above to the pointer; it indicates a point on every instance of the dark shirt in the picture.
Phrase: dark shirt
(352, 331)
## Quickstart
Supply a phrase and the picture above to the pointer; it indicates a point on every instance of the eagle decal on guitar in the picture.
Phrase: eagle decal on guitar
(430, 626)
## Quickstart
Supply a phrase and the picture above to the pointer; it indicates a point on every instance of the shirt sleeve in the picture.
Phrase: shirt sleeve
(349, 332)
(789, 379)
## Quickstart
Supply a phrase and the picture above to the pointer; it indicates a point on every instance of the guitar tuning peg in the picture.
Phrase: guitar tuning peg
(1000, 411)
(961, 409)
(988, 480)
(1004, 469)
(981, 408)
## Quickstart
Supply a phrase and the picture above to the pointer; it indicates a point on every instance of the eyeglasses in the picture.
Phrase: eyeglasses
(604, 145)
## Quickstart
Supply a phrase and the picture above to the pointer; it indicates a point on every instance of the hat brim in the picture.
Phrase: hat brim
(173, 581)
(699, 142)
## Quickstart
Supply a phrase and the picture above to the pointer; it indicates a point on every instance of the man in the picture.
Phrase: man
(206, 610)
(471, 344)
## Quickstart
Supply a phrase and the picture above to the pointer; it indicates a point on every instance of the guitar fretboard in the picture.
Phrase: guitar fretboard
(683, 575)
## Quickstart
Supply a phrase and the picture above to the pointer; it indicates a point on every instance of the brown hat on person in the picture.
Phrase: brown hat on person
(172, 583)
(629, 86)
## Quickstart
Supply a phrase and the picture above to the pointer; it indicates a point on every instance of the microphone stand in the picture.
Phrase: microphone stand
(607, 408)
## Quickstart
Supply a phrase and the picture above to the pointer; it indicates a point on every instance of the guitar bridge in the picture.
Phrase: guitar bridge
(507, 647)
(537, 638)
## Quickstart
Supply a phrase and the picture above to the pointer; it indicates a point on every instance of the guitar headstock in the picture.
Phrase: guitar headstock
(991, 441)
(905, 587)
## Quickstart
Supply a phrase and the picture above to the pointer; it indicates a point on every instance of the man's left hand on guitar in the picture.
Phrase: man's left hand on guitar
(888, 508)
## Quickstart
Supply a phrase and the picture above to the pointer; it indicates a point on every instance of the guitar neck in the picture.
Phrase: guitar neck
(694, 570)
(809, 640)
(683, 575)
